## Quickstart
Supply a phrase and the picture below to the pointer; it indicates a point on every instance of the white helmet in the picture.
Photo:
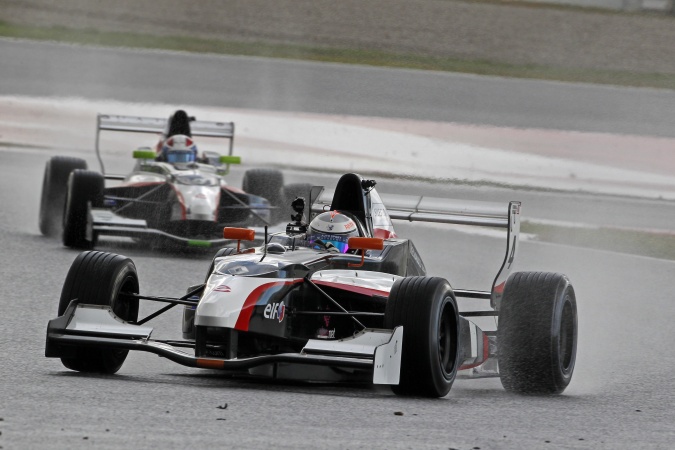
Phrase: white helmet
(179, 149)
(332, 229)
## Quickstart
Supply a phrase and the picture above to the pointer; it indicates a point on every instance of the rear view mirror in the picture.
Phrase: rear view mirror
(238, 234)
(364, 243)
(144, 153)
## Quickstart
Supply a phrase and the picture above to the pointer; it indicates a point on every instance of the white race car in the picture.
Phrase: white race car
(174, 196)
(341, 298)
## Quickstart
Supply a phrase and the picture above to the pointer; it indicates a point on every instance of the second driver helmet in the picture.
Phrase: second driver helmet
(333, 229)
(179, 148)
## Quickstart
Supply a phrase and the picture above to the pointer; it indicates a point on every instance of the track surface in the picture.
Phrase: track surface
(620, 396)
(41, 69)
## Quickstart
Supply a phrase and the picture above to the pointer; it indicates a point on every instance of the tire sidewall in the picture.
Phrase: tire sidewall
(442, 299)
(85, 189)
(564, 297)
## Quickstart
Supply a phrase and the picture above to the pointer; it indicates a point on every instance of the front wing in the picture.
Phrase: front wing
(371, 350)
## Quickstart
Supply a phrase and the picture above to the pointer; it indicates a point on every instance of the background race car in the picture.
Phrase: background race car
(306, 307)
(174, 196)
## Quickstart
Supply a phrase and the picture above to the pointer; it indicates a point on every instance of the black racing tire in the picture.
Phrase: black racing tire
(427, 310)
(537, 333)
(54, 189)
(269, 184)
(85, 189)
(225, 251)
(98, 278)
(291, 192)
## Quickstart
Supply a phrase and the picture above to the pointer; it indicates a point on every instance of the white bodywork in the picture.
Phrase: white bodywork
(197, 190)
(225, 295)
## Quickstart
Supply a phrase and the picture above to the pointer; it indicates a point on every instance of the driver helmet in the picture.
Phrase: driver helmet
(179, 149)
(332, 228)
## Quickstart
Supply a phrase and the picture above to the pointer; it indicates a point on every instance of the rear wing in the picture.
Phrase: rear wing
(459, 212)
(135, 124)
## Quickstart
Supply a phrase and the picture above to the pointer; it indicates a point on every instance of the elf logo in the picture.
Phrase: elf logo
(275, 311)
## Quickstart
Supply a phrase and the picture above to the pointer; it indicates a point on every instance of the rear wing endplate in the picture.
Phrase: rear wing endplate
(135, 124)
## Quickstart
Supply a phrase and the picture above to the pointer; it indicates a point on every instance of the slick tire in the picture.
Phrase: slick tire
(269, 184)
(427, 310)
(85, 190)
(54, 189)
(537, 333)
(100, 278)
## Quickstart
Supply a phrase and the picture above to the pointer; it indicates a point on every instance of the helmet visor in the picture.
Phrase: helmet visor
(180, 156)
(338, 241)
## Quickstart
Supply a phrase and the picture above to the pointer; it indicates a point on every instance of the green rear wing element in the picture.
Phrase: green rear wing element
(136, 124)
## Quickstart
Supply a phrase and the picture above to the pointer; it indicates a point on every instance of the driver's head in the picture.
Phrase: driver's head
(332, 227)
(179, 149)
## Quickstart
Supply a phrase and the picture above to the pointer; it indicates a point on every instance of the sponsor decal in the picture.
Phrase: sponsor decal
(330, 227)
(334, 213)
(222, 288)
(349, 225)
(324, 333)
(275, 311)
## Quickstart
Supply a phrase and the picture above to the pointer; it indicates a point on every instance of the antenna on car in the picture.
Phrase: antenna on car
(264, 245)
(368, 185)
(297, 225)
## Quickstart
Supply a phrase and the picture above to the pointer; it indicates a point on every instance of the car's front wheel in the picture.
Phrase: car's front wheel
(99, 278)
(427, 310)
(85, 190)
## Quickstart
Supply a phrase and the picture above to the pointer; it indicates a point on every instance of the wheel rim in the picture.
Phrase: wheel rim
(447, 334)
(566, 343)
(125, 307)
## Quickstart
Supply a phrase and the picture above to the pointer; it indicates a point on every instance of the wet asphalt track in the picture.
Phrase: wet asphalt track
(620, 397)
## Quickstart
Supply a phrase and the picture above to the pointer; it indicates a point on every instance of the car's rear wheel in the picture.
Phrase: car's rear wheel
(537, 333)
(99, 278)
(85, 190)
(267, 183)
(54, 189)
(427, 310)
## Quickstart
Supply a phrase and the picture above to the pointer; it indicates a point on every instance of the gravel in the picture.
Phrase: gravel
(507, 32)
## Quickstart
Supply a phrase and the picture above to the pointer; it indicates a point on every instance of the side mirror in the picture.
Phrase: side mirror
(364, 243)
(226, 160)
(238, 234)
(144, 153)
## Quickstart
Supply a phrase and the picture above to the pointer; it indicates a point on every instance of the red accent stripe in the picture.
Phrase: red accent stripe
(384, 234)
(249, 304)
(181, 202)
(486, 354)
(352, 288)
